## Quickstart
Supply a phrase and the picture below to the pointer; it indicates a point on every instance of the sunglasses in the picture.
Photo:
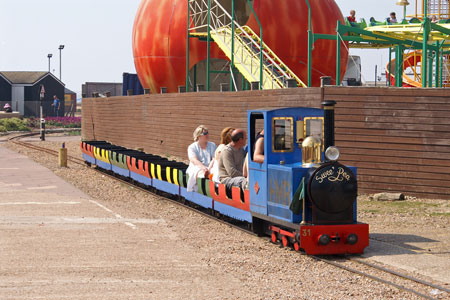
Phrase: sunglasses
(204, 133)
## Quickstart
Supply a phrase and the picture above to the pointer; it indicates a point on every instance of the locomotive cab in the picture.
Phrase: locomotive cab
(300, 159)
(287, 159)
(294, 160)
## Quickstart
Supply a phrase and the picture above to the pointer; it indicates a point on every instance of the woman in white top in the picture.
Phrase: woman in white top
(201, 154)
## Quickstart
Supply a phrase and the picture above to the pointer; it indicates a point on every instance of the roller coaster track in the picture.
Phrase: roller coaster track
(413, 61)
(247, 50)
(375, 272)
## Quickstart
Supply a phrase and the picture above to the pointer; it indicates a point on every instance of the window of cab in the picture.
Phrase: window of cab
(313, 126)
(282, 135)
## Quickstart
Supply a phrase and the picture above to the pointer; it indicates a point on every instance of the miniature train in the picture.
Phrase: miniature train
(301, 166)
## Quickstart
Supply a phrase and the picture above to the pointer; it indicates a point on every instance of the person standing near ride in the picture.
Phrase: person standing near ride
(201, 154)
(56, 105)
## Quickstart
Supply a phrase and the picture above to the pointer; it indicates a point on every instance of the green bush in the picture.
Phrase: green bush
(13, 124)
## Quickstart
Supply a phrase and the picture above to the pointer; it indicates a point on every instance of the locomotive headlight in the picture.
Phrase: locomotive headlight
(332, 153)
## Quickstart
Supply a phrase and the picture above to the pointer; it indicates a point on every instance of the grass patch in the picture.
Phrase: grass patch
(375, 211)
(440, 214)
(73, 133)
(409, 207)
(403, 204)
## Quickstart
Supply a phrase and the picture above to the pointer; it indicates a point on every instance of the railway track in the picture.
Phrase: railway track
(352, 264)
(395, 279)
(79, 161)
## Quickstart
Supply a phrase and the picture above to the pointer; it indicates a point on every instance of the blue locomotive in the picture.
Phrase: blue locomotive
(300, 195)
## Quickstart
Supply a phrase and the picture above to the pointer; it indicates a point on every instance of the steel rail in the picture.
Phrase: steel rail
(423, 282)
(43, 149)
(352, 270)
(83, 163)
(213, 217)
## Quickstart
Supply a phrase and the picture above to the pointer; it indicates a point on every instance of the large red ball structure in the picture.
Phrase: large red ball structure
(159, 39)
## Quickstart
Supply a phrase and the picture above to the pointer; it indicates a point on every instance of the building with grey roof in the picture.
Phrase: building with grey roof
(21, 89)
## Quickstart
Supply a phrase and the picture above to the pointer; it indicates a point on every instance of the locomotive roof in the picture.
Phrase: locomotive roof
(268, 109)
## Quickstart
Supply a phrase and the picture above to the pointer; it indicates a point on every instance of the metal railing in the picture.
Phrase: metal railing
(247, 45)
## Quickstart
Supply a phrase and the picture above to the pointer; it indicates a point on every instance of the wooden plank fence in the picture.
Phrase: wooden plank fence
(398, 138)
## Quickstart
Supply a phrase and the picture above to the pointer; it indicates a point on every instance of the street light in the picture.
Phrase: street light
(49, 56)
(403, 3)
(60, 48)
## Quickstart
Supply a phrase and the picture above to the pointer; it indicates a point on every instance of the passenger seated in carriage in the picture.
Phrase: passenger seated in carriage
(225, 139)
(232, 160)
(392, 19)
(352, 19)
(201, 154)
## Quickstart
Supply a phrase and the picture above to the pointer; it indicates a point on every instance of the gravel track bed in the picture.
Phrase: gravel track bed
(420, 288)
(265, 270)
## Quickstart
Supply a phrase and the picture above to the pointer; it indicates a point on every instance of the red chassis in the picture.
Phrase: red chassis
(341, 238)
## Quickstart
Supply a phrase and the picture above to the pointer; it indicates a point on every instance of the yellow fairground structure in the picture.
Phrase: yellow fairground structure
(426, 32)
(438, 8)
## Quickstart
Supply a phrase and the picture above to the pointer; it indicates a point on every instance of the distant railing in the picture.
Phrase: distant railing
(250, 52)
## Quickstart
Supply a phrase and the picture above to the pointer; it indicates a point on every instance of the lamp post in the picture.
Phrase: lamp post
(49, 56)
(60, 48)
(403, 3)
(41, 111)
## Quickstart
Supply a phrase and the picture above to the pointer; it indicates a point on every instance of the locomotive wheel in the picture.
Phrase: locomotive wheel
(297, 246)
(274, 237)
(284, 241)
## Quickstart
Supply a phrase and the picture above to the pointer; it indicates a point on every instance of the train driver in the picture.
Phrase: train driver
(258, 153)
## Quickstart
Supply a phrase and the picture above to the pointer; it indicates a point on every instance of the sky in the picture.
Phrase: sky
(97, 37)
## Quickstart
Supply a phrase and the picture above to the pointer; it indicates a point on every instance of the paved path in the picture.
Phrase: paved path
(57, 243)
(432, 265)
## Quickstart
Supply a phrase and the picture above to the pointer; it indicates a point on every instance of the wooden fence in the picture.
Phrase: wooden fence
(398, 138)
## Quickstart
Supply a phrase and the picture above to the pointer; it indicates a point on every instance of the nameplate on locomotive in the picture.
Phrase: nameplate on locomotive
(333, 174)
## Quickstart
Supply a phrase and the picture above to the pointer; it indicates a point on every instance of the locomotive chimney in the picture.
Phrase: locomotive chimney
(328, 114)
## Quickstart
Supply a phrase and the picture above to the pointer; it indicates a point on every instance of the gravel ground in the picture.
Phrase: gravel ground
(265, 270)
(421, 225)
